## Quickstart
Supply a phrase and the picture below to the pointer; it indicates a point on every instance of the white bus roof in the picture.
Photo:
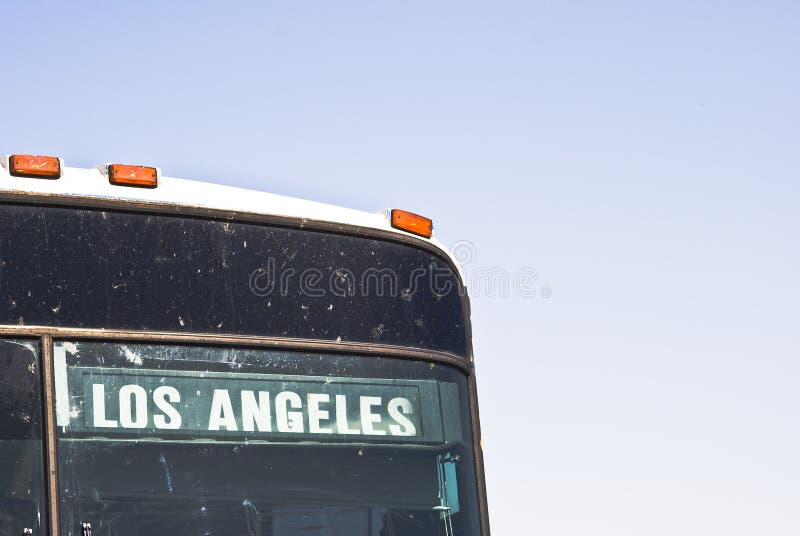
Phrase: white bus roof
(92, 184)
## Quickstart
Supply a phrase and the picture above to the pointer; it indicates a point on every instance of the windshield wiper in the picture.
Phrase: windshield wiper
(448, 490)
(252, 517)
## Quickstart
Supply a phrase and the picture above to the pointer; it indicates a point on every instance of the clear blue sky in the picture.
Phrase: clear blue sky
(642, 156)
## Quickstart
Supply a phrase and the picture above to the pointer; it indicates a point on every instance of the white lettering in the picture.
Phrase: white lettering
(99, 407)
(256, 414)
(221, 411)
(315, 414)
(288, 421)
(163, 396)
(342, 421)
(139, 397)
(369, 419)
(294, 412)
(397, 408)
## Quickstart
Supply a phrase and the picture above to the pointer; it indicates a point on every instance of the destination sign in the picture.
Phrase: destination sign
(113, 402)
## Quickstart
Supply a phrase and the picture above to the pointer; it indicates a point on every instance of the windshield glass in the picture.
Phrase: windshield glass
(21, 459)
(157, 439)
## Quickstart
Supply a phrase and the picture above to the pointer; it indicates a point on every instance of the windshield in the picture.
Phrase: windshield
(157, 439)
(21, 458)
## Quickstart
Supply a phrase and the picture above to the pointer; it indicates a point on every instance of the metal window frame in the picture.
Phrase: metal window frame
(46, 337)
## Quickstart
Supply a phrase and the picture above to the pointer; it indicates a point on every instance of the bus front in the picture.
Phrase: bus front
(191, 359)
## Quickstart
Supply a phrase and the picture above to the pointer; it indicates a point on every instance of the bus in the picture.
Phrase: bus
(184, 358)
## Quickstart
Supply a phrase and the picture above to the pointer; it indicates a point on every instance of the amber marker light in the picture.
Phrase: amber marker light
(412, 223)
(139, 176)
(39, 167)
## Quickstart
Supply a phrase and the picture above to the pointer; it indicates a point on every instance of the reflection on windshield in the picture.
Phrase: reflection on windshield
(258, 490)
(148, 480)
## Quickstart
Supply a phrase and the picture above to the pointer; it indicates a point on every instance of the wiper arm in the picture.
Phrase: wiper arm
(448, 490)
(252, 517)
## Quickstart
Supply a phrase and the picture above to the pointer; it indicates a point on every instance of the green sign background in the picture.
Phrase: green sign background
(431, 402)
